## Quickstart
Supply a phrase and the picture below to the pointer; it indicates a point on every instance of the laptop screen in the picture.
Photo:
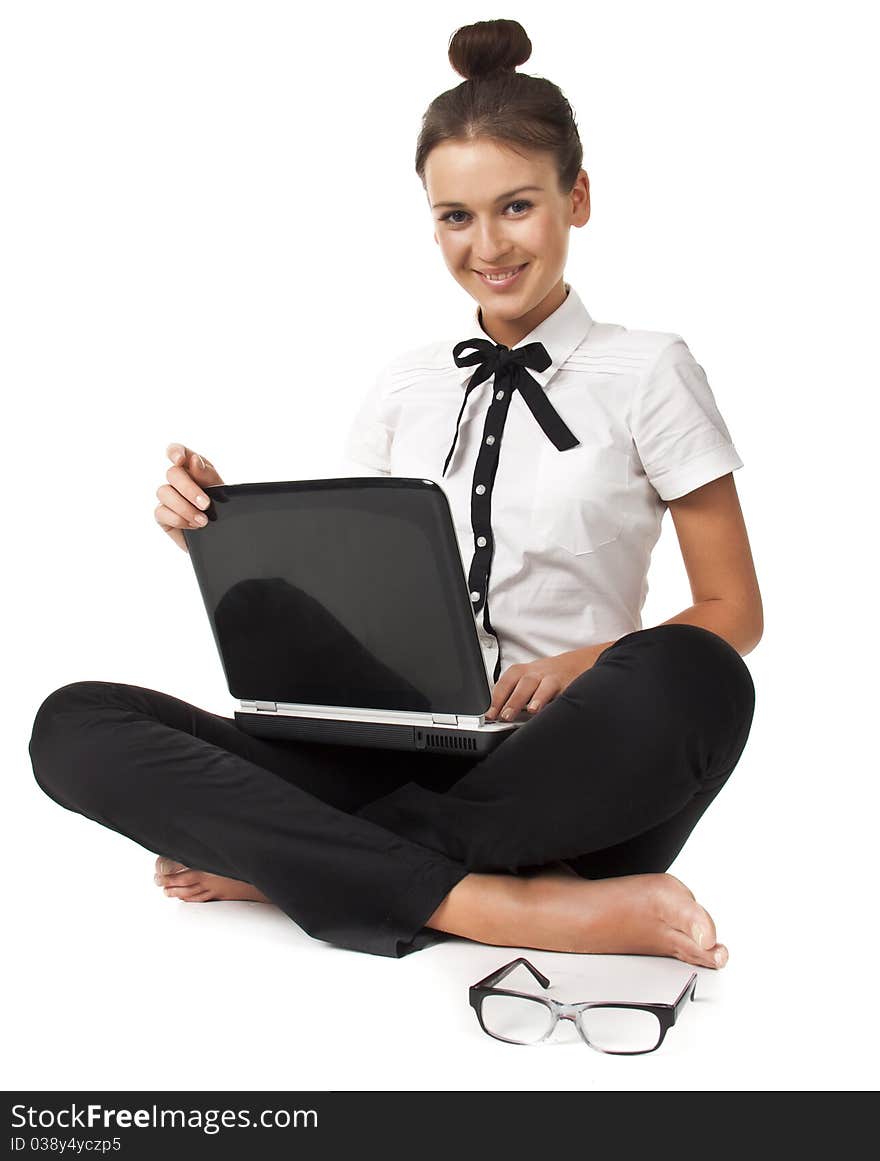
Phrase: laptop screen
(341, 592)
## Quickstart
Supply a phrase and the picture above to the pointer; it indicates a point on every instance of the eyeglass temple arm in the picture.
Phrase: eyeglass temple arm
(679, 1003)
(497, 976)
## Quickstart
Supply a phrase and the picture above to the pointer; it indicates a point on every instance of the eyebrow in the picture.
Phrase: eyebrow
(500, 198)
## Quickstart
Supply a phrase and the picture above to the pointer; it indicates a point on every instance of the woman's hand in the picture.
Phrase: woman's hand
(535, 683)
(178, 499)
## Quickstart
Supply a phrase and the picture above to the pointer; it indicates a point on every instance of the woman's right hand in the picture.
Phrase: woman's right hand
(178, 499)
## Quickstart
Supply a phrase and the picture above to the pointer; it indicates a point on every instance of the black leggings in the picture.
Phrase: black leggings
(360, 846)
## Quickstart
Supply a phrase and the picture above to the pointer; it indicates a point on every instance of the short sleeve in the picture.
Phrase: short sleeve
(679, 433)
(366, 448)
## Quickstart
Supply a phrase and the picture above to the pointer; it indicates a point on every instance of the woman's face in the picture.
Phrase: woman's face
(481, 225)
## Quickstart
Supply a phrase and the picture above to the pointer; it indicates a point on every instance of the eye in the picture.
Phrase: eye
(447, 217)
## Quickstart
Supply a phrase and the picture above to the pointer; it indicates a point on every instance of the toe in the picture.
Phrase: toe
(692, 927)
(720, 954)
(695, 922)
(185, 893)
(702, 926)
(185, 878)
(685, 949)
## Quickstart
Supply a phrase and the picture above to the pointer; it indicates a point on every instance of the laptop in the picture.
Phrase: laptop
(341, 613)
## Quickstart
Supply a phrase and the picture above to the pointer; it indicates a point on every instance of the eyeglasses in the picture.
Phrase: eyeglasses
(616, 1027)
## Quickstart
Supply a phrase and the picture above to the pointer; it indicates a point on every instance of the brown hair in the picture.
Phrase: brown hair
(495, 101)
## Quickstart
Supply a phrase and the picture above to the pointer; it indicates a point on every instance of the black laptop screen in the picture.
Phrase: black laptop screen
(344, 592)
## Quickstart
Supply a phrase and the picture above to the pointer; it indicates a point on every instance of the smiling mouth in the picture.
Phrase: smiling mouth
(499, 277)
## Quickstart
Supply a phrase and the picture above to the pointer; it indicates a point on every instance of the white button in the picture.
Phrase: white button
(475, 596)
(480, 489)
(481, 541)
(499, 394)
(490, 439)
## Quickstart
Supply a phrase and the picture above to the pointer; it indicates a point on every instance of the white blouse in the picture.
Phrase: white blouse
(573, 530)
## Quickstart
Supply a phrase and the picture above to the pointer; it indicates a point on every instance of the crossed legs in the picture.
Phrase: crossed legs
(610, 777)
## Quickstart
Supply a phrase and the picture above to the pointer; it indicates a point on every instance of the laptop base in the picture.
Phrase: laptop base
(378, 735)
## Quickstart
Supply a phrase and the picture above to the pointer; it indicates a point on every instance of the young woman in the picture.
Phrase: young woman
(560, 442)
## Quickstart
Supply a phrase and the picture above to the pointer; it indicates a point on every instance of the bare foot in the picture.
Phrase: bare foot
(652, 914)
(192, 886)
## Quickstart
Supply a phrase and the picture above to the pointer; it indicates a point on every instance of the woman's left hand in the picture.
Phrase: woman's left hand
(533, 684)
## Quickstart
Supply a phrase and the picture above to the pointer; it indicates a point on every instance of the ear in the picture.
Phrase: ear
(580, 210)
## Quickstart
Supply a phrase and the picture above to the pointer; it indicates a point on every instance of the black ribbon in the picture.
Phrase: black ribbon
(509, 367)
(491, 358)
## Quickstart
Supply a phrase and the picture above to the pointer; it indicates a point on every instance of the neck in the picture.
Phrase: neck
(510, 331)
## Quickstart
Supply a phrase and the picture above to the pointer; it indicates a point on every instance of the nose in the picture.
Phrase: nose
(490, 241)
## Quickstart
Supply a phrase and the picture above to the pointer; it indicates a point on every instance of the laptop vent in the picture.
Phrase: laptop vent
(450, 742)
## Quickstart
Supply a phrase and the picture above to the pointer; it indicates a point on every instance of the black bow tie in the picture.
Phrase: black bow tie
(495, 358)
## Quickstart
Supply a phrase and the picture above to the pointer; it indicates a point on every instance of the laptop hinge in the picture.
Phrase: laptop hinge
(470, 723)
(465, 721)
(269, 706)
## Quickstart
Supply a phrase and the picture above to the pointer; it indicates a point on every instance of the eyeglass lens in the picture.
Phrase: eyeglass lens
(527, 1021)
(516, 1018)
(621, 1029)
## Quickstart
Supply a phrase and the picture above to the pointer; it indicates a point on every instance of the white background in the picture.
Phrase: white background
(213, 233)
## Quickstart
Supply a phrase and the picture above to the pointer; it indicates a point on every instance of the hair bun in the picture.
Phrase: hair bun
(489, 46)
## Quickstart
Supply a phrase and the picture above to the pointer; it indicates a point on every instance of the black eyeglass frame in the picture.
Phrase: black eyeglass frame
(666, 1013)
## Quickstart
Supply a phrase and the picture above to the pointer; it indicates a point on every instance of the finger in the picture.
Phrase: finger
(191, 461)
(168, 519)
(546, 691)
(189, 515)
(202, 470)
(164, 517)
(178, 453)
(192, 493)
(175, 534)
(503, 688)
(521, 693)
